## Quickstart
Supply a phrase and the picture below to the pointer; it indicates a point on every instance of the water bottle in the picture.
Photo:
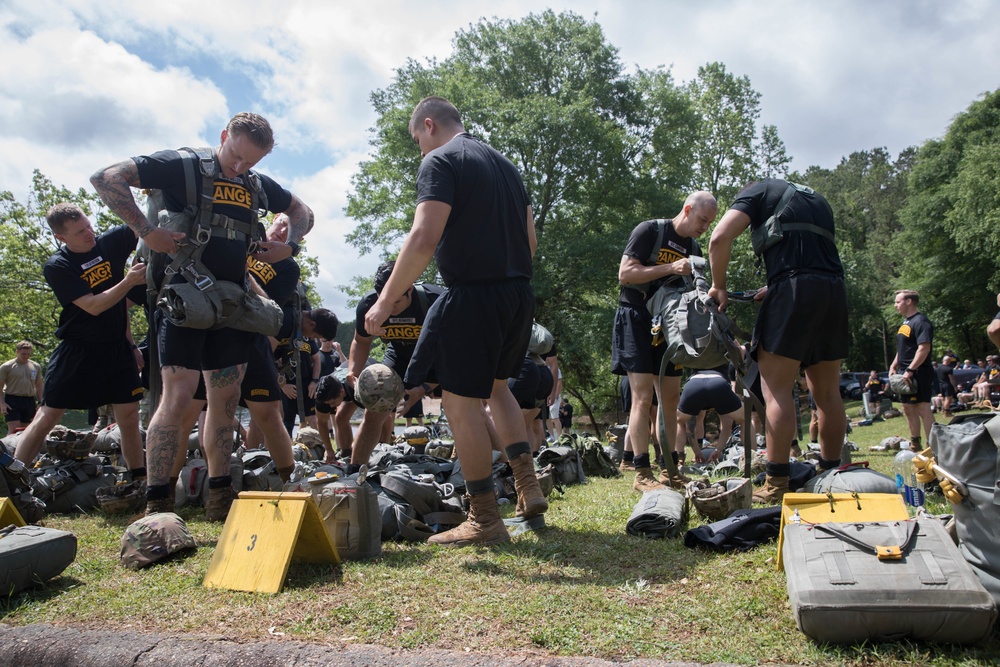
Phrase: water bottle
(10, 463)
(906, 479)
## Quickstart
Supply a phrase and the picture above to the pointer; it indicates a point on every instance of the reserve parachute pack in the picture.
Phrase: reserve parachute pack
(773, 230)
(540, 343)
(202, 301)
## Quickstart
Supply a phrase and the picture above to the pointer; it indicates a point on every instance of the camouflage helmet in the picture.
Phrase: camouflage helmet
(154, 537)
(379, 388)
(64, 443)
(719, 499)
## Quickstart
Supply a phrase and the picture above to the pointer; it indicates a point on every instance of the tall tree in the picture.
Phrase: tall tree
(949, 242)
(549, 92)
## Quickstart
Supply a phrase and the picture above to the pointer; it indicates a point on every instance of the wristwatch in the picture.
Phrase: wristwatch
(295, 248)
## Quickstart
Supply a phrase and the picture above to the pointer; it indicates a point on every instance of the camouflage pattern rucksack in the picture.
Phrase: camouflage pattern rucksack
(593, 458)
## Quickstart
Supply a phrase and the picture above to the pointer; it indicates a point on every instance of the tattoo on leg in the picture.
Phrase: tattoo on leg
(224, 442)
(172, 369)
(224, 376)
(161, 450)
(231, 408)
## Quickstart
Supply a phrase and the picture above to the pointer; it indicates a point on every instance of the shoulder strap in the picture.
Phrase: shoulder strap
(421, 297)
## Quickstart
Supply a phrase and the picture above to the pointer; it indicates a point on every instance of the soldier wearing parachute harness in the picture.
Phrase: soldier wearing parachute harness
(657, 252)
(206, 315)
(803, 317)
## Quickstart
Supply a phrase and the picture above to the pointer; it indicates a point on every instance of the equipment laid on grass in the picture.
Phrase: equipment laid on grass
(883, 581)
(31, 555)
(856, 477)
(658, 514)
(968, 467)
(718, 500)
(71, 485)
(351, 513)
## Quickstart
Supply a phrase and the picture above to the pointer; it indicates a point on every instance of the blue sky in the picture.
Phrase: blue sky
(85, 83)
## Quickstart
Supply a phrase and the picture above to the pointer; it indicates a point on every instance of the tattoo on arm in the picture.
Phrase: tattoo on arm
(300, 220)
(114, 185)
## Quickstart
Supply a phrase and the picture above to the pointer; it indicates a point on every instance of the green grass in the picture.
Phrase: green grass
(581, 587)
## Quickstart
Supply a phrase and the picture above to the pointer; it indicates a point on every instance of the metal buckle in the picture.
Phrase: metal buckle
(202, 235)
(201, 282)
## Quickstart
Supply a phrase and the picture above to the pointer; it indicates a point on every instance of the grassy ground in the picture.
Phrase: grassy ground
(581, 587)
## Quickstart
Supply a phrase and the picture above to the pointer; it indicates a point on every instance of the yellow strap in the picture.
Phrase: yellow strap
(888, 552)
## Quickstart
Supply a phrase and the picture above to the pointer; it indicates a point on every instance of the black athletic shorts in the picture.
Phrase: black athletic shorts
(925, 377)
(202, 349)
(260, 382)
(416, 410)
(948, 390)
(804, 317)
(707, 390)
(632, 349)
(474, 334)
(545, 384)
(22, 408)
(525, 385)
(89, 375)
(290, 408)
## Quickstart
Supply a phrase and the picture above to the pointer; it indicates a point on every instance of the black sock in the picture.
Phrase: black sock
(828, 464)
(478, 486)
(641, 461)
(137, 473)
(628, 456)
(676, 457)
(221, 482)
(353, 468)
(778, 469)
(158, 492)
(516, 449)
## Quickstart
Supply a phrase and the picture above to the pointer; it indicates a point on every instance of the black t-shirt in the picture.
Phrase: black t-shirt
(914, 330)
(328, 362)
(403, 330)
(72, 275)
(278, 280)
(945, 373)
(226, 259)
(640, 246)
(799, 251)
(486, 237)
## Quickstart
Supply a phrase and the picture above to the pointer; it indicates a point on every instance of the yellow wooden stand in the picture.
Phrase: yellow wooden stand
(265, 530)
(840, 508)
(9, 514)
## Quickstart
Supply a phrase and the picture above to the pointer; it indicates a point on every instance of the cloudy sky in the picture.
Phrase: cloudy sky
(84, 83)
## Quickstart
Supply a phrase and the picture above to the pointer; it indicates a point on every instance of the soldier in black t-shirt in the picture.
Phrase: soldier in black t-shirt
(913, 359)
(95, 363)
(474, 216)
(643, 269)
(219, 356)
(802, 320)
(946, 381)
(400, 332)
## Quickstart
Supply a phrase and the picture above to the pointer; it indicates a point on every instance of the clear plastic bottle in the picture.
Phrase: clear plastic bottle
(906, 479)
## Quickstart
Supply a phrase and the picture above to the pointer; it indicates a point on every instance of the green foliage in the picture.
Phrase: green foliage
(28, 309)
(948, 245)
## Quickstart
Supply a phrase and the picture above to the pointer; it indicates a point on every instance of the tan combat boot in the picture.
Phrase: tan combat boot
(644, 480)
(772, 492)
(483, 525)
(158, 506)
(218, 503)
(673, 481)
(530, 499)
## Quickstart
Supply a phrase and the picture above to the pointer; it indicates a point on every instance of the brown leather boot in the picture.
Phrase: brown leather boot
(644, 480)
(158, 506)
(772, 492)
(530, 499)
(483, 525)
(673, 481)
(218, 503)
